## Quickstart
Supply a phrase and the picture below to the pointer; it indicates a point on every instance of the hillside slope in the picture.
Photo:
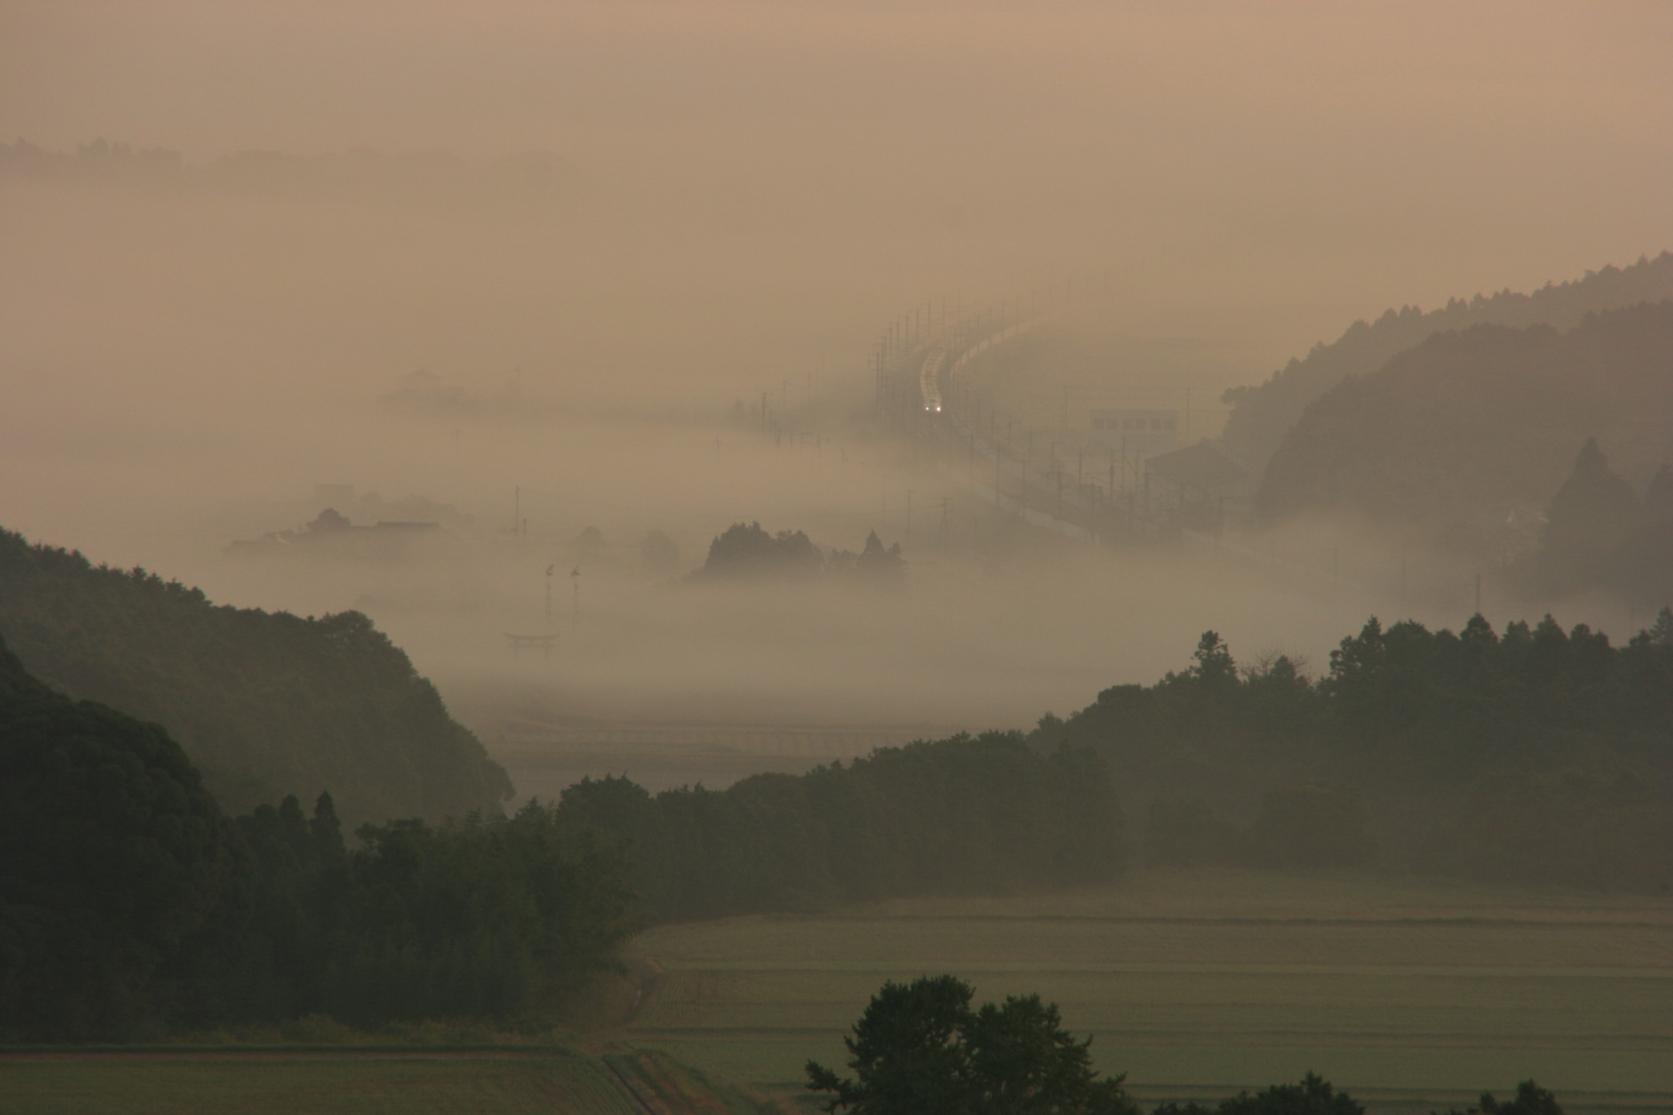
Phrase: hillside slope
(1264, 413)
(1469, 428)
(266, 704)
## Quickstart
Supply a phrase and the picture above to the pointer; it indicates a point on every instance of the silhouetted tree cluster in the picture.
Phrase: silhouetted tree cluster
(981, 815)
(130, 903)
(265, 703)
(1312, 1095)
(1536, 755)
(747, 552)
(875, 564)
(921, 1048)
(1530, 1099)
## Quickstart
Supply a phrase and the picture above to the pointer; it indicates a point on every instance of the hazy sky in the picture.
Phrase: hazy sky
(1403, 149)
(750, 189)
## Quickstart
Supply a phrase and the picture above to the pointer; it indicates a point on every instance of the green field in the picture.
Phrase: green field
(360, 1082)
(1199, 984)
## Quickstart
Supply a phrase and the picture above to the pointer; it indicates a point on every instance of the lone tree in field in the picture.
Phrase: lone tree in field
(920, 1049)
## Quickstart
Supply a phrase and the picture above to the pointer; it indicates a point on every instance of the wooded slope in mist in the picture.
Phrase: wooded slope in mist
(266, 704)
(1264, 413)
(1532, 756)
(1470, 426)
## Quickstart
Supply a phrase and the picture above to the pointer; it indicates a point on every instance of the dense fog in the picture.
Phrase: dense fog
(623, 267)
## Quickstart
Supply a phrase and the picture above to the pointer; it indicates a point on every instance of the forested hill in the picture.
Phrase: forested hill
(1530, 755)
(1471, 426)
(1262, 414)
(131, 905)
(111, 853)
(266, 704)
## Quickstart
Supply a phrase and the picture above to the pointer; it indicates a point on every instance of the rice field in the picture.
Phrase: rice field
(361, 1082)
(1411, 996)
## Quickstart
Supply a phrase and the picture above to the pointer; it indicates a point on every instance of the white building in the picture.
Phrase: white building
(1135, 431)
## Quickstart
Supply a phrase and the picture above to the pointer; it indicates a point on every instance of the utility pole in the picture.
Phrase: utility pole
(909, 514)
(946, 502)
(549, 569)
(575, 596)
(1027, 459)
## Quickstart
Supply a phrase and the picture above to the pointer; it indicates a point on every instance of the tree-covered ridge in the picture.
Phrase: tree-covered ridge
(978, 815)
(112, 856)
(1470, 427)
(129, 904)
(1535, 755)
(1263, 414)
(266, 704)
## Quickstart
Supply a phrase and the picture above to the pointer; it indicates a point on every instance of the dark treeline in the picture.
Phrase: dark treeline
(1461, 431)
(130, 904)
(1263, 414)
(266, 704)
(963, 815)
(1535, 755)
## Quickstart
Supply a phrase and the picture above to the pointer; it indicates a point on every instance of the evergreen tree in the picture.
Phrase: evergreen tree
(1591, 515)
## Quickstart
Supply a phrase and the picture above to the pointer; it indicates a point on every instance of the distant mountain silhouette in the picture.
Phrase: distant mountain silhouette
(1263, 414)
